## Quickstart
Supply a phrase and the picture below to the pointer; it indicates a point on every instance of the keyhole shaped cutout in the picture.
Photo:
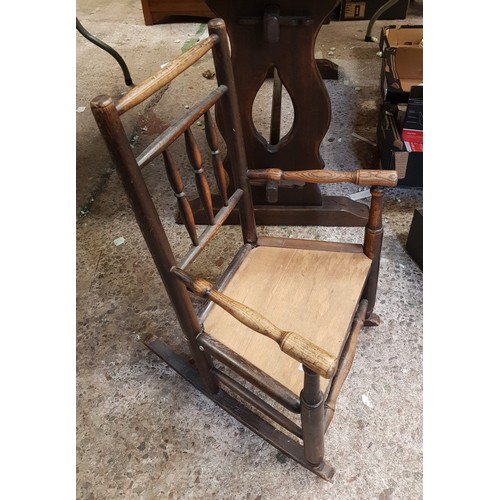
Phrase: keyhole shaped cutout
(272, 111)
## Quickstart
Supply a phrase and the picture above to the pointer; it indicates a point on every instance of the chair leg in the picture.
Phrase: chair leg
(312, 415)
(370, 292)
(372, 247)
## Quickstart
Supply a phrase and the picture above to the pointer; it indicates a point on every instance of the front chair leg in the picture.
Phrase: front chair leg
(372, 247)
(312, 415)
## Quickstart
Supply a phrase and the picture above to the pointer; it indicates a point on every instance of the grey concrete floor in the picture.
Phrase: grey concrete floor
(142, 432)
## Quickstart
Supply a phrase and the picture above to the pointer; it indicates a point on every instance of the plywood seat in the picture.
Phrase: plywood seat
(311, 292)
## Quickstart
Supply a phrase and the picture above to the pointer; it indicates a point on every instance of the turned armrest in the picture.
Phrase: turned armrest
(148, 87)
(361, 177)
(291, 343)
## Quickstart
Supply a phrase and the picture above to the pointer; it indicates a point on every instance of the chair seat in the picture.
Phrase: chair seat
(312, 292)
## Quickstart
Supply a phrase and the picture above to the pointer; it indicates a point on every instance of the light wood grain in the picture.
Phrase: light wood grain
(313, 293)
(154, 83)
(361, 177)
(291, 343)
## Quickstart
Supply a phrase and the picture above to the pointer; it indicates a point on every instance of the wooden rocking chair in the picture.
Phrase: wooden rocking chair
(311, 298)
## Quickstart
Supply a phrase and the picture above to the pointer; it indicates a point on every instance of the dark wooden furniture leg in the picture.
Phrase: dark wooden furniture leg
(312, 414)
(372, 248)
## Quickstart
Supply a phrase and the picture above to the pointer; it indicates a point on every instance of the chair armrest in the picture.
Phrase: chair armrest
(360, 177)
(291, 343)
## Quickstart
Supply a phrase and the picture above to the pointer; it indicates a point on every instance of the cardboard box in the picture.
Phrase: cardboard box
(402, 61)
(362, 11)
(394, 153)
(405, 35)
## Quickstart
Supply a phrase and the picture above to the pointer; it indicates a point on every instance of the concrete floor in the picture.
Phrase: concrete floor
(142, 432)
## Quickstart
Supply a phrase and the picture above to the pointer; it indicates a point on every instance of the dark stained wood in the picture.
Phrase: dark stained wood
(157, 11)
(148, 15)
(274, 136)
(288, 446)
(154, 83)
(231, 117)
(249, 372)
(174, 131)
(327, 246)
(312, 417)
(272, 193)
(335, 211)
(211, 231)
(271, 23)
(253, 55)
(202, 186)
(175, 179)
(213, 143)
(372, 247)
(258, 403)
(327, 69)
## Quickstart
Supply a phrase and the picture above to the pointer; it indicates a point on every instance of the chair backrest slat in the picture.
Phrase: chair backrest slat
(185, 211)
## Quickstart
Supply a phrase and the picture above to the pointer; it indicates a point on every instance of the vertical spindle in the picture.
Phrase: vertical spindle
(194, 156)
(213, 143)
(175, 179)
